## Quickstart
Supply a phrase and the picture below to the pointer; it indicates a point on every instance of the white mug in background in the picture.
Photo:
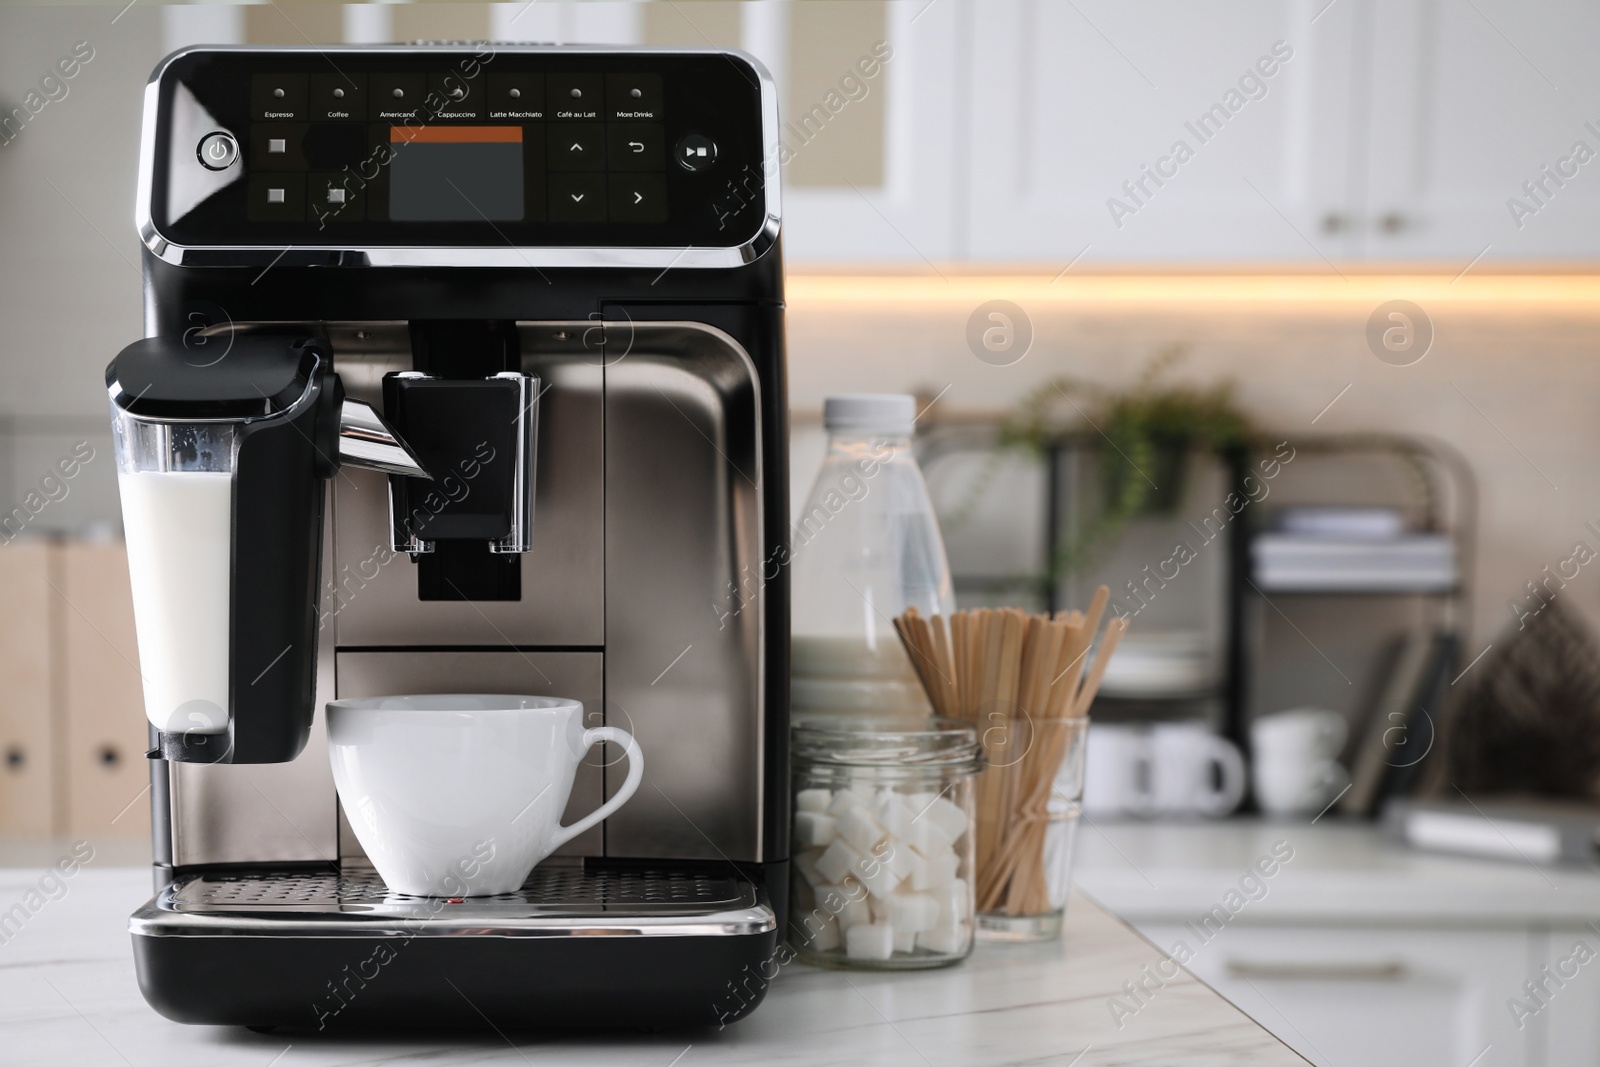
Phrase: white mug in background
(1116, 777)
(1193, 771)
(1295, 768)
(1171, 769)
(461, 795)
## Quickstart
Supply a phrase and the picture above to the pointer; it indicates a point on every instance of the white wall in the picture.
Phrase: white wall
(69, 257)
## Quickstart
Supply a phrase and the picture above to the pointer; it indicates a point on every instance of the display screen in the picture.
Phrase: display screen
(455, 173)
(444, 147)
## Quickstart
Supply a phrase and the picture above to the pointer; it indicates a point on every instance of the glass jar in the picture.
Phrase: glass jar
(1024, 896)
(883, 841)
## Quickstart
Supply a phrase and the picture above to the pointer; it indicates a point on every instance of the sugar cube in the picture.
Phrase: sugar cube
(947, 816)
(945, 940)
(929, 838)
(827, 937)
(842, 802)
(858, 827)
(954, 901)
(863, 792)
(806, 864)
(876, 876)
(905, 940)
(900, 859)
(870, 941)
(814, 828)
(812, 800)
(895, 815)
(801, 899)
(847, 902)
(935, 872)
(915, 912)
(838, 861)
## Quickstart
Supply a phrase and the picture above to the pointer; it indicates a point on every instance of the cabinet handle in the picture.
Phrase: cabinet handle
(1355, 971)
(1334, 222)
(1392, 222)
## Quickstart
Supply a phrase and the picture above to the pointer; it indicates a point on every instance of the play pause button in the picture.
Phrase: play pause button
(695, 152)
(638, 198)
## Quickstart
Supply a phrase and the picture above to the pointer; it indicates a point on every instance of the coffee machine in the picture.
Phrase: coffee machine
(485, 345)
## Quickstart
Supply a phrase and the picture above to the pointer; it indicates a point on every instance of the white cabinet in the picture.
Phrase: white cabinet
(1423, 998)
(1257, 131)
(909, 215)
(1161, 131)
(1476, 110)
(1566, 1027)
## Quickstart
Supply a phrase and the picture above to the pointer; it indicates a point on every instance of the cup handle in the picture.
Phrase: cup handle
(1142, 798)
(1231, 766)
(630, 748)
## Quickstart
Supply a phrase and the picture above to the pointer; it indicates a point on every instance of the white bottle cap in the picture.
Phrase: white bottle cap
(890, 414)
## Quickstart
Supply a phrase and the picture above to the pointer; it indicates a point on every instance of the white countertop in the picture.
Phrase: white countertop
(1339, 873)
(68, 996)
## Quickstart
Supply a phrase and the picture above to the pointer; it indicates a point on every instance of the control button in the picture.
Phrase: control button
(218, 151)
(281, 145)
(456, 96)
(338, 97)
(278, 97)
(577, 198)
(516, 96)
(395, 96)
(335, 197)
(576, 96)
(695, 152)
(277, 198)
(638, 198)
(579, 146)
(633, 96)
(635, 146)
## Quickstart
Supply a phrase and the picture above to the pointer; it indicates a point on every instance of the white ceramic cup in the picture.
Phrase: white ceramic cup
(1116, 777)
(1295, 760)
(459, 795)
(1193, 771)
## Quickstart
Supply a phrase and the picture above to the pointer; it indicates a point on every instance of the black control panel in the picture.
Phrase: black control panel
(459, 147)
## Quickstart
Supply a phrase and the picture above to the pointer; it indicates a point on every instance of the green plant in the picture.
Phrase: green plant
(1147, 431)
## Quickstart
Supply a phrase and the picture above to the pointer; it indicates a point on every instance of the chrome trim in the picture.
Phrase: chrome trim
(152, 921)
(366, 441)
(169, 914)
(526, 465)
(751, 250)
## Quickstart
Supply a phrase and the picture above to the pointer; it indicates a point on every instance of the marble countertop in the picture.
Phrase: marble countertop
(68, 995)
(1338, 873)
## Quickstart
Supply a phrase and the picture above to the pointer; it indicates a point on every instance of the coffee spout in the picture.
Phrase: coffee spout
(365, 440)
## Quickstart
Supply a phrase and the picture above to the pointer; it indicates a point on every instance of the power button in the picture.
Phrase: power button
(218, 151)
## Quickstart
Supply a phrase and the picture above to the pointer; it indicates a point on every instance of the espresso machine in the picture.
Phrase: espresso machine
(464, 367)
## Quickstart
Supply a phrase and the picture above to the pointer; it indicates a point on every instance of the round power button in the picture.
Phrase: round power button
(218, 151)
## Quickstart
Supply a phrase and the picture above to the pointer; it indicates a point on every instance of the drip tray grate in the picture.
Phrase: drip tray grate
(546, 887)
(594, 899)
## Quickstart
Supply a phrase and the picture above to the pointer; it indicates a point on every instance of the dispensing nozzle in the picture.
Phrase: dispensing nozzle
(365, 440)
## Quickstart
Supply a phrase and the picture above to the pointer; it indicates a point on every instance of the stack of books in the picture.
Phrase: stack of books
(1334, 550)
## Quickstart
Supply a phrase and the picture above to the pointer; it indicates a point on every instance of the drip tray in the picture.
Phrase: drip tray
(556, 901)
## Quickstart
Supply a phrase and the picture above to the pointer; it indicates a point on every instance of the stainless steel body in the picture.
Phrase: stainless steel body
(648, 512)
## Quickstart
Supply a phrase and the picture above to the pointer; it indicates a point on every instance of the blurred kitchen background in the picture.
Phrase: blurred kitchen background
(1279, 317)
